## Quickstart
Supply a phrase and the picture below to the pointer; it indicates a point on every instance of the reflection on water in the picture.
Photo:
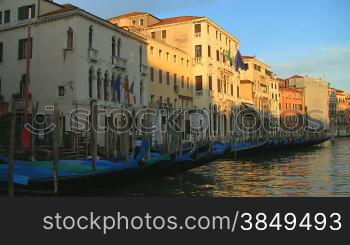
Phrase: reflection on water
(319, 171)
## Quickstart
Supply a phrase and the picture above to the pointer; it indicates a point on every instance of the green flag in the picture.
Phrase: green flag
(229, 55)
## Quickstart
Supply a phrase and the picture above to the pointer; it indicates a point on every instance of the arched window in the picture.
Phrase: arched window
(22, 85)
(91, 77)
(118, 47)
(105, 86)
(70, 38)
(113, 46)
(99, 83)
(141, 50)
(141, 93)
(113, 81)
(91, 36)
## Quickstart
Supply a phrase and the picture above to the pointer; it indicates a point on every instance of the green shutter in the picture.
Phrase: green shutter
(20, 49)
(1, 51)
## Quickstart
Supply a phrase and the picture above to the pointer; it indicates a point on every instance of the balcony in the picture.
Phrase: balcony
(93, 54)
(211, 94)
(144, 70)
(199, 93)
(119, 63)
(20, 102)
(164, 106)
(177, 89)
(198, 60)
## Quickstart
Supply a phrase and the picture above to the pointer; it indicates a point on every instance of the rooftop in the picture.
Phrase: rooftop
(65, 8)
(295, 76)
(174, 20)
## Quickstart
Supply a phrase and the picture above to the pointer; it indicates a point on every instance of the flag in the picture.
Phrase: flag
(126, 90)
(229, 55)
(116, 87)
(238, 62)
(131, 90)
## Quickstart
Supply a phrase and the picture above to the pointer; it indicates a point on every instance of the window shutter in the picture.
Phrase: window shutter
(1, 51)
(20, 13)
(32, 10)
(20, 49)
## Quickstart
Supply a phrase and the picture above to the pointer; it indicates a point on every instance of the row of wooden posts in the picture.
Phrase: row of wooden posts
(124, 141)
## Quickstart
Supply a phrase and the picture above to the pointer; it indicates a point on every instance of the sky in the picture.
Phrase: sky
(304, 37)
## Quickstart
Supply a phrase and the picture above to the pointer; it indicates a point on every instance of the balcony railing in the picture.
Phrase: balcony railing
(211, 94)
(177, 88)
(198, 34)
(93, 54)
(199, 93)
(119, 63)
(144, 70)
(197, 60)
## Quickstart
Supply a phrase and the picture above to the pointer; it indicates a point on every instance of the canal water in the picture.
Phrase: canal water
(314, 172)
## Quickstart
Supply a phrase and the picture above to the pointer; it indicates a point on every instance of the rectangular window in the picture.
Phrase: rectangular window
(153, 35)
(160, 53)
(175, 79)
(26, 12)
(199, 83)
(0, 18)
(231, 89)
(7, 16)
(219, 86)
(238, 94)
(160, 76)
(61, 91)
(168, 78)
(198, 51)
(247, 65)
(152, 50)
(188, 82)
(23, 47)
(152, 74)
(188, 63)
(210, 83)
(216, 34)
(174, 58)
(164, 34)
(209, 51)
(217, 55)
(197, 28)
(133, 22)
(208, 29)
(141, 22)
(1, 51)
(182, 81)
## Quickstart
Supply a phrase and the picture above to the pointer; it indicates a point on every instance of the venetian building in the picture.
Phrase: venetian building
(75, 57)
(292, 106)
(315, 93)
(211, 50)
(341, 113)
(332, 101)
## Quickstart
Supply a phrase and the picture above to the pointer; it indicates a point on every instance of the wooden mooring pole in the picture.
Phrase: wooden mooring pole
(93, 113)
(55, 140)
(12, 150)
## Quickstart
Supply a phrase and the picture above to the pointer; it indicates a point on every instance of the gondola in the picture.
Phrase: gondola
(189, 159)
(74, 175)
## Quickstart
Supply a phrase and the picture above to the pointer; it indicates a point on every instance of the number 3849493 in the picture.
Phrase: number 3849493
(291, 221)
